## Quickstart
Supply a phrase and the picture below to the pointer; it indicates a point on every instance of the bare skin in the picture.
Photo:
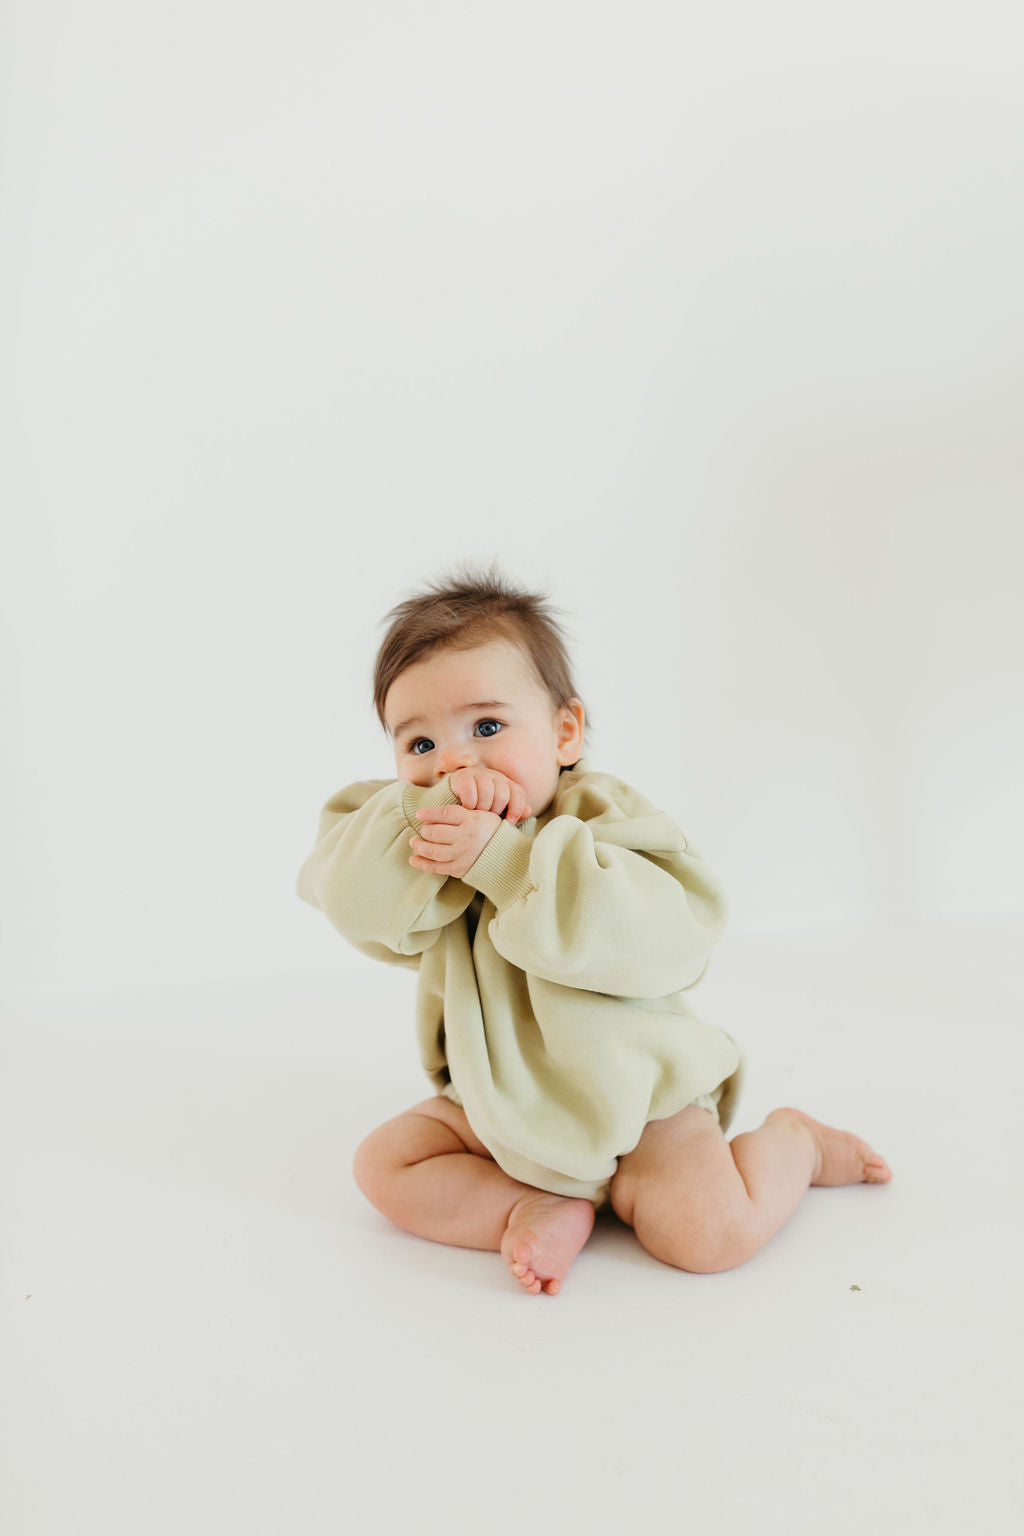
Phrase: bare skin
(706, 1204)
(842, 1158)
(695, 1200)
(543, 1235)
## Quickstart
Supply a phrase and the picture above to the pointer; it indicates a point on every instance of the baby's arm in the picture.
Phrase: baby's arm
(358, 873)
(617, 903)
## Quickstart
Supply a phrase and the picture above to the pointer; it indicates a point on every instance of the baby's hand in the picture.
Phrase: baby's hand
(453, 838)
(485, 789)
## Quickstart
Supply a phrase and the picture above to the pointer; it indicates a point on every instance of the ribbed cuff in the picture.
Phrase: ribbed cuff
(415, 797)
(502, 870)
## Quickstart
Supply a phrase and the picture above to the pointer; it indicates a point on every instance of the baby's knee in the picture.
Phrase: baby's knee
(369, 1163)
(710, 1251)
(699, 1250)
(700, 1236)
(382, 1157)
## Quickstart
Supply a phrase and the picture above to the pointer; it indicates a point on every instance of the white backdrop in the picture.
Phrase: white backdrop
(708, 320)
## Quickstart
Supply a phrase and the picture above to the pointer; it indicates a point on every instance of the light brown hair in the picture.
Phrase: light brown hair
(469, 608)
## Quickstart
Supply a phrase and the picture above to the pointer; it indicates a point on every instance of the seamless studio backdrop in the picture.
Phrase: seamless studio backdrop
(707, 322)
(710, 324)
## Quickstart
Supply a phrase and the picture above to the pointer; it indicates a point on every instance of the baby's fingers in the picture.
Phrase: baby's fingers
(463, 784)
(435, 832)
(518, 810)
(492, 795)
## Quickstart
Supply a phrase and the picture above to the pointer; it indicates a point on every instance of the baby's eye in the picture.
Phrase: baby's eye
(415, 743)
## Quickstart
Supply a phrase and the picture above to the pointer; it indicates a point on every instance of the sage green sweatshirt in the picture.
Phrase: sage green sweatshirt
(552, 984)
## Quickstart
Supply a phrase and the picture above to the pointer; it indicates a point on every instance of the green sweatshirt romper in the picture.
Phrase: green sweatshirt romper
(552, 976)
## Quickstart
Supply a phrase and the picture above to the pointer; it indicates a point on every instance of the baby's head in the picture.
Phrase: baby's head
(473, 672)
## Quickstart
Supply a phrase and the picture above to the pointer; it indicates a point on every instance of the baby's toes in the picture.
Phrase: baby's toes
(519, 1265)
(522, 1252)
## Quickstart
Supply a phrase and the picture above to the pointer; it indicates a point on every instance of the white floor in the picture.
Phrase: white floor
(207, 1329)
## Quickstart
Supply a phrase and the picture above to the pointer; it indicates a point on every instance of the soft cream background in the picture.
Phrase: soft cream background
(709, 319)
(706, 319)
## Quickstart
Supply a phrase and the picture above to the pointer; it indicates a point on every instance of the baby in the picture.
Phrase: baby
(556, 920)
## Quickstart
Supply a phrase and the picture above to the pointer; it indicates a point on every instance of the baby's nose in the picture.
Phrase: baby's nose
(449, 762)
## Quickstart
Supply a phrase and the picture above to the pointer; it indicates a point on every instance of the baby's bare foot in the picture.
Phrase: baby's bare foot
(842, 1158)
(543, 1235)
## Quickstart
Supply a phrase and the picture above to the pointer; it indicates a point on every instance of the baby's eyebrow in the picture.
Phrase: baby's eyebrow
(478, 704)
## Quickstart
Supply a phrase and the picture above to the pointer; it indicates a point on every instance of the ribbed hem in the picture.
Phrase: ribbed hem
(415, 797)
(502, 870)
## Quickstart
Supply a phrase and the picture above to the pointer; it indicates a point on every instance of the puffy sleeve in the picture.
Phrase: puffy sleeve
(359, 874)
(608, 896)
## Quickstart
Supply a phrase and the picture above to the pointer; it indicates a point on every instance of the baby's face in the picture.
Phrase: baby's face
(438, 724)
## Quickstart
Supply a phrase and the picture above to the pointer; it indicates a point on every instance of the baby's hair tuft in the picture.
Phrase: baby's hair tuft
(469, 607)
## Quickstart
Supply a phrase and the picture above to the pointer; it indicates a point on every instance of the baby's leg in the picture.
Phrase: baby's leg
(704, 1204)
(428, 1172)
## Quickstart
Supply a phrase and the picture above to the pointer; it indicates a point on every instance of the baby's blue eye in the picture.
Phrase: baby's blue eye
(415, 743)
